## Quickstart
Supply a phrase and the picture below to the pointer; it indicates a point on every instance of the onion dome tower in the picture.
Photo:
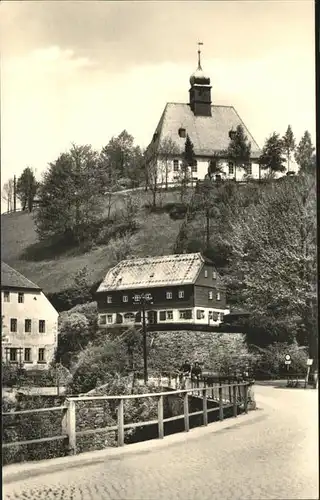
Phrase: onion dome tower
(200, 91)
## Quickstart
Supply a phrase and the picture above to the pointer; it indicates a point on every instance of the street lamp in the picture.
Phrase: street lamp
(143, 299)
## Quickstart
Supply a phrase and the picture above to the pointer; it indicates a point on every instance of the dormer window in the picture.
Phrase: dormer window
(182, 132)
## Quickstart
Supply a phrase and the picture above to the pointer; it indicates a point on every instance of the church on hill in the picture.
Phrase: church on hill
(209, 127)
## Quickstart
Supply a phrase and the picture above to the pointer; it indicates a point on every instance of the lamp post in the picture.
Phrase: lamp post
(144, 299)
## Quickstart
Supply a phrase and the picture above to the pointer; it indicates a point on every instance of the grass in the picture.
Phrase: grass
(52, 265)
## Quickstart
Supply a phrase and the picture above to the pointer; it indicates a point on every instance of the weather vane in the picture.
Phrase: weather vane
(199, 53)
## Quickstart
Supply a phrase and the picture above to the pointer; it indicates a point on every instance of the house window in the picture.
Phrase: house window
(181, 294)
(125, 298)
(136, 298)
(214, 275)
(162, 316)
(169, 295)
(13, 354)
(169, 314)
(109, 299)
(218, 296)
(13, 325)
(6, 296)
(109, 318)
(185, 314)
(41, 358)
(27, 325)
(221, 316)
(215, 316)
(103, 319)
(27, 355)
(249, 169)
(42, 326)
(194, 167)
(231, 167)
(200, 314)
(20, 298)
(176, 165)
(205, 273)
(210, 294)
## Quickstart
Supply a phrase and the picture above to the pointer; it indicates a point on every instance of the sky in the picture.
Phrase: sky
(81, 72)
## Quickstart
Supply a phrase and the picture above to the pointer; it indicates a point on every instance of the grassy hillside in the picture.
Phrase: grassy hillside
(52, 266)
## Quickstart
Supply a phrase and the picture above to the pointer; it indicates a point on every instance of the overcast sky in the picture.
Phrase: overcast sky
(84, 71)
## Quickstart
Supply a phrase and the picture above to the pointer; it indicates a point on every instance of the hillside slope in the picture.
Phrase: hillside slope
(53, 268)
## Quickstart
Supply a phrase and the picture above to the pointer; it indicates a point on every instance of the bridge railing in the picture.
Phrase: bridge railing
(227, 395)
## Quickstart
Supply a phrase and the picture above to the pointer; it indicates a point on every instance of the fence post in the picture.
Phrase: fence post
(120, 423)
(160, 417)
(220, 403)
(205, 409)
(246, 397)
(186, 412)
(69, 426)
(234, 387)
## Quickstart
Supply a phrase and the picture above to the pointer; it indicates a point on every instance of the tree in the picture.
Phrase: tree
(154, 172)
(8, 193)
(69, 196)
(27, 188)
(239, 149)
(166, 151)
(272, 155)
(73, 337)
(289, 144)
(304, 151)
(120, 159)
(188, 161)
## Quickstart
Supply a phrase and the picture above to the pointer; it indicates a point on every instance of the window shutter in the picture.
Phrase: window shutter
(188, 314)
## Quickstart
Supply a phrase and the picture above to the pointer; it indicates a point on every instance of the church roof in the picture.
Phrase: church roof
(10, 278)
(209, 134)
(166, 270)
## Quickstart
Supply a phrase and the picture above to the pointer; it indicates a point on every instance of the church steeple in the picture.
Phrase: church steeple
(200, 91)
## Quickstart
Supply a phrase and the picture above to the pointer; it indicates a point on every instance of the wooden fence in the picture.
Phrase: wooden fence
(226, 395)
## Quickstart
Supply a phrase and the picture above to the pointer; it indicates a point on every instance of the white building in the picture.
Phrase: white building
(29, 322)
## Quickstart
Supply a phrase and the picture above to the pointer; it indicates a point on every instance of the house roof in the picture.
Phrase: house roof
(167, 270)
(209, 134)
(10, 278)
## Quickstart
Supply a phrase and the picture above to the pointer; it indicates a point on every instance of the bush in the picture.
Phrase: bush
(271, 363)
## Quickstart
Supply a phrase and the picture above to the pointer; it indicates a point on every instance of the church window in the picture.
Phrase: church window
(182, 132)
(195, 167)
(176, 165)
(231, 167)
(249, 169)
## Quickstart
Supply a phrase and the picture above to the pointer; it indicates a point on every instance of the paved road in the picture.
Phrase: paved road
(273, 457)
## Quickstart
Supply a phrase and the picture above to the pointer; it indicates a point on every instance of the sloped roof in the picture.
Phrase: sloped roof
(10, 278)
(167, 270)
(209, 134)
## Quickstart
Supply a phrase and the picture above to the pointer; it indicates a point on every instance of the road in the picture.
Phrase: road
(274, 456)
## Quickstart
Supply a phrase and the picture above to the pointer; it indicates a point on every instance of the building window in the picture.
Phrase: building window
(205, 273)
(109, 299)
(176, 165)
(42, 326)
(136, 298)
(218, 296)
(109, 318)
(20, 298)
(27, 355)
(200, 314)
(124, 298)
(41, 358)
(169, 314)
(162, 316)
(181, 294)
(215, 316)
(6, 296)
(231, 167)
(13, 354)
(182, 132)
(185, 314)
(194, 167)
(210, 294)
(214, 275)
(13, 325)
(221, 316)
(103, 319)
(249, 169)
(169, 295)
(27, 325)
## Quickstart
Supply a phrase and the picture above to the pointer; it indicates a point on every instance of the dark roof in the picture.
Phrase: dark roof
(209, 134)
(10, 278)
(165, 270)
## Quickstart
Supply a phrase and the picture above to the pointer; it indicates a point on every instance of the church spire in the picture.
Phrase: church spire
(199, 56)
(200, 91)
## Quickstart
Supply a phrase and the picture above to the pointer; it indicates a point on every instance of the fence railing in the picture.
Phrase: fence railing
(226, 395)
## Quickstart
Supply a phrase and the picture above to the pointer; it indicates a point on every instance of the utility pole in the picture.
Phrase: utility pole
(14, 193)
(143, 299)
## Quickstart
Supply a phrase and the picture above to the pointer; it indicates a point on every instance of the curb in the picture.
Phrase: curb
(22, 471)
